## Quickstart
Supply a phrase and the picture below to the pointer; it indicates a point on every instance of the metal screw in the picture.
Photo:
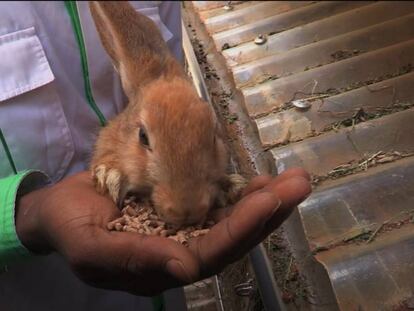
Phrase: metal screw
(301, 103)
(244, 289)
(228, 7)
(260, 39)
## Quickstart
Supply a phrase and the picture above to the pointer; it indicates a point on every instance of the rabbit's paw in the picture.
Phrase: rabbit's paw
(237, 184)
(107, 180)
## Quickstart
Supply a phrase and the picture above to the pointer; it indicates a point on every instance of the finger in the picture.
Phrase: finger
(290, 173)
(291, 193)
(232, 236)
(256, 183)
(145, 264)
(262, 180)
(158, 253)
(252, 220)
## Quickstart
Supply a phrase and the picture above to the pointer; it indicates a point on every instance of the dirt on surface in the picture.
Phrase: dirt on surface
(362, 115)
(360, 165)
(405, 305)
(286, 271)
(313, 96)
(344, 54)
(368, 233)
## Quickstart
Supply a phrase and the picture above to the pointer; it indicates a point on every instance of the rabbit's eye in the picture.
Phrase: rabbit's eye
(143, 137)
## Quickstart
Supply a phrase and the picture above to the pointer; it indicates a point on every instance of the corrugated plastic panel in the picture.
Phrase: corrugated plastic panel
(280, 22)
(329, 27)
(361, 230)
(331, 90)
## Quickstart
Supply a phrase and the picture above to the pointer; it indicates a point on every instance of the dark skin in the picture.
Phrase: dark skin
(70, 218)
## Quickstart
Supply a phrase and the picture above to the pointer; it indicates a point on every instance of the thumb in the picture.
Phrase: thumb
(141, 265)
(138, 254)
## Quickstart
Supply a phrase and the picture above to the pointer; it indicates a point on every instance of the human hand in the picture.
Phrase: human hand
(70, 218)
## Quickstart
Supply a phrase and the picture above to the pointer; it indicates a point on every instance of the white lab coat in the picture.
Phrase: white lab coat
(48, 125)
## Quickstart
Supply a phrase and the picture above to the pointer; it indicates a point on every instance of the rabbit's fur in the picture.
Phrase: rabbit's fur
(183, 168)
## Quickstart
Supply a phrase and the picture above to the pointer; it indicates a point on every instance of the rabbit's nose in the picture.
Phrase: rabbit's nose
(179, 215)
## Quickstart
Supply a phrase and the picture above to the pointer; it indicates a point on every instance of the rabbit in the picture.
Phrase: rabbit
(167, 145)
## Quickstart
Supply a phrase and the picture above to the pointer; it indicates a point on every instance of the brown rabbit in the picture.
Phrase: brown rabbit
(166, 145)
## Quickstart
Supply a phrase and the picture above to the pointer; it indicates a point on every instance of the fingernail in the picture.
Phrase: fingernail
(176, 268)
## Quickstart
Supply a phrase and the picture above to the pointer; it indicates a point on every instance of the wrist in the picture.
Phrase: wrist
(29, 228)
(11, 248)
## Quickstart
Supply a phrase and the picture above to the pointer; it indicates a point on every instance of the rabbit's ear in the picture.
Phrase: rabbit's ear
(133, 41)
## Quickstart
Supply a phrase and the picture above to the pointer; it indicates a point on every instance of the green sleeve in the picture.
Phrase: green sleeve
(11, 249)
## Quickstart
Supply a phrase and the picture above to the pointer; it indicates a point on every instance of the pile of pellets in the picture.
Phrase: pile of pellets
(141, 218)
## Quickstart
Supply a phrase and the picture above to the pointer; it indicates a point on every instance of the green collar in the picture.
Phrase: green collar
(74, 17)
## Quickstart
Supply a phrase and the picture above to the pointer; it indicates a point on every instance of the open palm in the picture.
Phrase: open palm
(70, 218)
